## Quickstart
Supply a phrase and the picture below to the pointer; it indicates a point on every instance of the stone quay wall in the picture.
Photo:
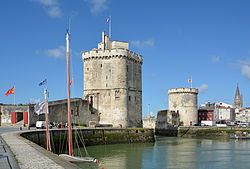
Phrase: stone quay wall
(59, 137)
(210, 131)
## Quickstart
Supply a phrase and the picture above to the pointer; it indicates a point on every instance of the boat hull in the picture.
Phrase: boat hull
(78, 159)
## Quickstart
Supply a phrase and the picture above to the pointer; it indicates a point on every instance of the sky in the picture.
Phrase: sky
(206, 40)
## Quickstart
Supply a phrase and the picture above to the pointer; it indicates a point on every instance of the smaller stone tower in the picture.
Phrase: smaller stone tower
(184, 101)
(238, 99)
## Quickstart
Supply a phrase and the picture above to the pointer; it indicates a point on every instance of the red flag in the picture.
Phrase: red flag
(107, 19)
(11, 91)
(71, 81)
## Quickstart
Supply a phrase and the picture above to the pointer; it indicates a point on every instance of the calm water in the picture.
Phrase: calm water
(169, 152)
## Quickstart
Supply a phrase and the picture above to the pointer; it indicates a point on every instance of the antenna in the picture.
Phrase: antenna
(69, 24)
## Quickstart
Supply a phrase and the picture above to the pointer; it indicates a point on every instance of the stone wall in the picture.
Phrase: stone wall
(210, 131)
(163, 126)
(91, 137)
(184, 101)
(5, 111)
(112, 83)
(149, 122)
(58, 112)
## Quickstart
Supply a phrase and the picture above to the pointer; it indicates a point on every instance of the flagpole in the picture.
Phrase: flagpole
(46, 118)
(14, 94)
(191, 81)
(68, 86)
(110, 27)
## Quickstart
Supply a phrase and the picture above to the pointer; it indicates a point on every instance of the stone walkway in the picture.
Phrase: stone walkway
(30, 155)
(7, 161)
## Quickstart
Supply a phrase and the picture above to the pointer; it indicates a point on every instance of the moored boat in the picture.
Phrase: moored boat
(243, 135)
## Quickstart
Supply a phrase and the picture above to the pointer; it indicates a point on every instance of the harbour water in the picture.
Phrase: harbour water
(173, 152)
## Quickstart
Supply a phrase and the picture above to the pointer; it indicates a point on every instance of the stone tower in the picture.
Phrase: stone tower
(113, 84)
(184, 101)
(238, 99)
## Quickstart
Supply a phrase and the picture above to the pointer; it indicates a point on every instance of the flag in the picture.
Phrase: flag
(43, 82)
(189, 80)
(10, 91)
(71, 81)
(39, 108)
(107, 19)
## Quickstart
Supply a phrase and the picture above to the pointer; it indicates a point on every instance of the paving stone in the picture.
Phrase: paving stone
(4, 162)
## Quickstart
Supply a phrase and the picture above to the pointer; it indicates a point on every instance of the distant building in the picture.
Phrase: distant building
(224, 112)
(25, 115)
(219, 112)
(206, 112)
(243, 115)
(238, 99)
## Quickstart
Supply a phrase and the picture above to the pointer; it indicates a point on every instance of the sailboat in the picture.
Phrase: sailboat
(70, 157)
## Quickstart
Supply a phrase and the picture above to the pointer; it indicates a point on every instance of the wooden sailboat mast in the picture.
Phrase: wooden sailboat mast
(46, 118)
(68, 85)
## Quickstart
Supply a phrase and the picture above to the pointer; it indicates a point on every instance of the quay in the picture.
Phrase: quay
(28, 146)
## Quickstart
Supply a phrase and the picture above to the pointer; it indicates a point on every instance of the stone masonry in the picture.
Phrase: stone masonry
(183, 101)
(113, 84)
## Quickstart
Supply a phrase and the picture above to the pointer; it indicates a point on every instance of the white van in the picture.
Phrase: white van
(42, 125)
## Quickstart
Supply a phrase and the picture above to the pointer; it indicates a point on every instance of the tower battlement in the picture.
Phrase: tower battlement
(183, 90)
(107, 54)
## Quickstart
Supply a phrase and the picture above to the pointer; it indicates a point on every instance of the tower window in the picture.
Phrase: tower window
(106, 77)
(127, 68)
(129, 98)
(101, 65)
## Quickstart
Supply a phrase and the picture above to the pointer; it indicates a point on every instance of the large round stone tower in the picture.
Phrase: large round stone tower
(184, 101)
(112, 83)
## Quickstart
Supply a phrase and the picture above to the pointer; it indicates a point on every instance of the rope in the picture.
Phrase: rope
(82, 140)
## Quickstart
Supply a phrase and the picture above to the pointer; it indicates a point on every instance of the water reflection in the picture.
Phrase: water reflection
(173, 153)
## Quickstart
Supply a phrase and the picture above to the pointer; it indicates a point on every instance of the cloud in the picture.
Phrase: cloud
(245, 67)
(54, 12)
(245, 71)
(244, 62)
(143, 44)
(34, 101)
(51, 7)
(153, 75)
(216, 59)
(58, 53)
(203, 88)
(97, 6)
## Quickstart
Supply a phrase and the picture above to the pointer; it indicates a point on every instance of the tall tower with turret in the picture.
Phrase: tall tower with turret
(238, 99)
(113, 83)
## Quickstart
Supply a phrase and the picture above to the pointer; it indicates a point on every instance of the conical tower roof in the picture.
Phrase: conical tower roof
(237, 98)
(237, 94)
